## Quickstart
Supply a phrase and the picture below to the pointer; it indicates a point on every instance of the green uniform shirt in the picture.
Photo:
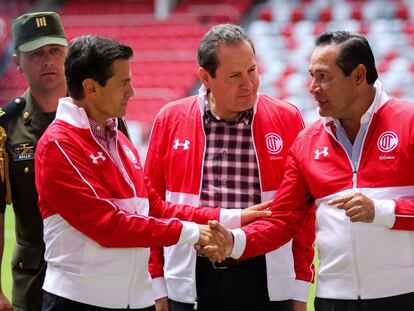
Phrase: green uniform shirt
(28, 266)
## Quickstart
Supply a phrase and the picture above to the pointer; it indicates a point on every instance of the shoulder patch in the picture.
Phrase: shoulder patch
(11, 108)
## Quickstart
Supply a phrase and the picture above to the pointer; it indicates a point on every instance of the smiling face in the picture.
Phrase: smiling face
(234, 87)
(110, 101)
(335, 93)
(43, 68)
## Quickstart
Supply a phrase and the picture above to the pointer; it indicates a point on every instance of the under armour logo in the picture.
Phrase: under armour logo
(324, 152)
(95, 159)
(185, 145)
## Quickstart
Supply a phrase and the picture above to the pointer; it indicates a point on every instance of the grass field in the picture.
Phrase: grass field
(8, 249)
(9, 239)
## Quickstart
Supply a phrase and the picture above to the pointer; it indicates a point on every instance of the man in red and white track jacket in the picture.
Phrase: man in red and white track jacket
(227, 147)
(356, 164)
(177, 173)
(99, 220)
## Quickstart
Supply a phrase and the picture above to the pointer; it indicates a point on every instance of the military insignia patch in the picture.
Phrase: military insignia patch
(24, 152)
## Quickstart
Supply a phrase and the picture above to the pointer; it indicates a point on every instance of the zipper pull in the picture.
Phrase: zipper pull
(354, 179)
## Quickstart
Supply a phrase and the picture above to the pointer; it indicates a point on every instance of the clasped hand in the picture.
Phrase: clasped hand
(215, 241)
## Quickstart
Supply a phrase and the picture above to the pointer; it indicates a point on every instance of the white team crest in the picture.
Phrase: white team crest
(185, 145)
(387, 141)
(130, 154)
(95, 158)
(323, 152)
(274, 143)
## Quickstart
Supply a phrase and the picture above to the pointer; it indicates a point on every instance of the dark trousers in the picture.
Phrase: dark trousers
(180, 306)
(403, 302)
(52, 302)
(285, 305)
(241, 287)
(27, 293)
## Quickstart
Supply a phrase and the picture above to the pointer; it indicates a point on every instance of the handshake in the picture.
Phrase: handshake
(216, 241)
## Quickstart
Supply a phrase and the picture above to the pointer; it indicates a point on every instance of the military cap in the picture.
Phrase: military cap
(11, 108)
(31, 31)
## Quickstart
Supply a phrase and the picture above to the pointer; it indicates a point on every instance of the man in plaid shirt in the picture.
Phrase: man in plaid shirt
(226, 147)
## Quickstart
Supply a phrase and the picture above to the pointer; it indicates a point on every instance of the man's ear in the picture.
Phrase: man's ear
(16, 61)
(204, 77)
(89, 87)
(360, 73)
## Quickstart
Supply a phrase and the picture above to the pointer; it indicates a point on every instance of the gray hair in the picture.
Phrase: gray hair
(223, 34)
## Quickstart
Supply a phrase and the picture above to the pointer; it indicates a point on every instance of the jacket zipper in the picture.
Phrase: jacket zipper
(132, 276)
(351, 226)
(354, 242)
(130, 183)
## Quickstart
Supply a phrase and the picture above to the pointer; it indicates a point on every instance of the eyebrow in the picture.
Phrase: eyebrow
(318, 70)
(125, 80)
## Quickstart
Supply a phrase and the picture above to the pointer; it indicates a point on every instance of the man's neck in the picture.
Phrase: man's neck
(48, 100)
(227, 117)
(352, 124)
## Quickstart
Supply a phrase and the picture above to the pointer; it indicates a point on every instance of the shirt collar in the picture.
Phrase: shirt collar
(102, 131)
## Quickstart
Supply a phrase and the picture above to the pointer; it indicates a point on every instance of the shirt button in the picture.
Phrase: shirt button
(223, 182)
(26, 170)
(26, 116)
(224, 152)
(21, 265)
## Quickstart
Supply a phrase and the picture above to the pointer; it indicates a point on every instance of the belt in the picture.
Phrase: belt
(227, 263)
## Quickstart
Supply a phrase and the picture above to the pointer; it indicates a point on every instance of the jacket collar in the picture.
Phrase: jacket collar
(71, 113)
(380, 99)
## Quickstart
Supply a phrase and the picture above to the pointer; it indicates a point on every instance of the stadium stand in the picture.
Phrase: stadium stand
(164, 65)
(283, 32)
(165, 60)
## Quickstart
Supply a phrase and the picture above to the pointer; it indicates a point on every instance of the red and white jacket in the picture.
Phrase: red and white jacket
(175, 165)
(99, 219)
(357, 260)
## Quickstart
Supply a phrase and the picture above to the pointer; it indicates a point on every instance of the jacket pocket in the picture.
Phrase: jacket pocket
(25, 257)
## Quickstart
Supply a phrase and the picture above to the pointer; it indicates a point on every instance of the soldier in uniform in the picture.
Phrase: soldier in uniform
(40, 49)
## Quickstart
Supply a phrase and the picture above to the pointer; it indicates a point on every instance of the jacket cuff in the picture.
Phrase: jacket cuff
(159, 288)
(189, 233)
(231, 218)
(239, 238)
(301, 290)
(384, 212)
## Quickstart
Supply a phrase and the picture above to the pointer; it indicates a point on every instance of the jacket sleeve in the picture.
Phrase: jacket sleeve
(404, 215)
(292, 203)
(163, 209)
(303, 254)
(153, 163)
(68, 186)
(153, 170)
(303, 246)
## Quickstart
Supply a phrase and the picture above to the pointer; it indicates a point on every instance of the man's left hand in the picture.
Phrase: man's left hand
(357, 206)
(255, 211)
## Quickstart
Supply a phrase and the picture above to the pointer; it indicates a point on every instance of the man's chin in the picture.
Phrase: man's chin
(247, 103)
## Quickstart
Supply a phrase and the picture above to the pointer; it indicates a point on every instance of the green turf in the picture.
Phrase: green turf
(313, 288)
(8, 249)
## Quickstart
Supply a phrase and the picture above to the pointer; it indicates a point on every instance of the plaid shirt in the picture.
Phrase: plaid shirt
(230, 175)
(106, 136)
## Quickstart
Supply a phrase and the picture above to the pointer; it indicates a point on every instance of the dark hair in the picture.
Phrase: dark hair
(223, 34)
(92, 57)
(354, 50)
